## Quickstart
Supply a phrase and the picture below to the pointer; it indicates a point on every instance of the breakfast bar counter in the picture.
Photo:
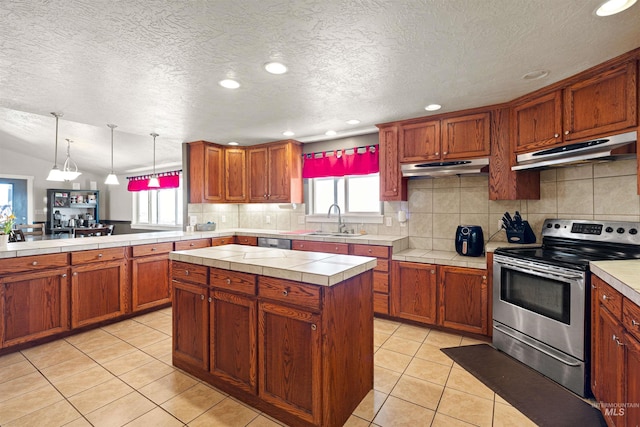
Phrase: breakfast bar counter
(288, 332)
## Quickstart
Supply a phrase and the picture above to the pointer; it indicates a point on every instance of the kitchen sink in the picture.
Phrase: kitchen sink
(325, 234)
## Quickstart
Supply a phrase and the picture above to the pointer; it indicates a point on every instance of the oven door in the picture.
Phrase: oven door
(542, 301)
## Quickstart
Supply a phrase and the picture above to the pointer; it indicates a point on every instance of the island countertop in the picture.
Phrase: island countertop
(309, 267)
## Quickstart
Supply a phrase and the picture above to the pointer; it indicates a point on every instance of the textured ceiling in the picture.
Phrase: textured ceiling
(155, 65)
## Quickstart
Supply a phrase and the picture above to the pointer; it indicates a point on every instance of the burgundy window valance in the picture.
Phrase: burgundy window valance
(167, 180)
(351, 161)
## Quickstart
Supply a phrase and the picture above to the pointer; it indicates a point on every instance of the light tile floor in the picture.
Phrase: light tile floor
(121, 375)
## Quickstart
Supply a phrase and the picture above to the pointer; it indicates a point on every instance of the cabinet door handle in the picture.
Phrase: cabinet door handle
(64, 275)
(285, 293)
(484, 277)
(433, 272)
(605, 297)
(186, 272)
(75, 273)
(34, 263)
(210, 299)
(437, 153)
(593, 287)
(336, 248)
(615, 338)
(228, 281)
(566, 132)
(444, 153)
(634, 323)
(201, 297)
(314, 327)
(555, 135)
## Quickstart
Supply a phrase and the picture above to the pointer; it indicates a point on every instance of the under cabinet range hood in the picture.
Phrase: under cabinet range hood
(579, 152)
(438, 169)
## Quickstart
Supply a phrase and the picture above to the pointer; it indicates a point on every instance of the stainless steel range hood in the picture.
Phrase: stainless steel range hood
(438, 169)
(579, 152)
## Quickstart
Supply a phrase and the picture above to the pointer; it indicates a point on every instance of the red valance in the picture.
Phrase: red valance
(362, 161)
(166, 179)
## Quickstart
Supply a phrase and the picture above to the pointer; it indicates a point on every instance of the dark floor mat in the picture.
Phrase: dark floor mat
(536, 396)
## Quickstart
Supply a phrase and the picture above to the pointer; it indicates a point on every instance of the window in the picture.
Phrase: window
(158, 207)
(354, 194)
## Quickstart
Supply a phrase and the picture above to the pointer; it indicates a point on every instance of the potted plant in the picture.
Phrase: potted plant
(6, 227)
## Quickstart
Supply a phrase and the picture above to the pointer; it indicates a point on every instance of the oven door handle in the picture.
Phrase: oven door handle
(525, 268)
(535, 347)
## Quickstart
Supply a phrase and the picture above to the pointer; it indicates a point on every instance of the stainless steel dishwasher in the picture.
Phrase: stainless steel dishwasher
(268, 242)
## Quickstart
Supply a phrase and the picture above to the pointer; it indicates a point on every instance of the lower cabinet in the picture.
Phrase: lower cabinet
(33, 305)
(615, 355)
(150, 276)
(190, 324)
(413, 292)
(452, 297)
(98, 286)
(290, 369)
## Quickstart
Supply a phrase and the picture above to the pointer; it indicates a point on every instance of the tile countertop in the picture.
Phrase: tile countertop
(308, 267)
(623, 276)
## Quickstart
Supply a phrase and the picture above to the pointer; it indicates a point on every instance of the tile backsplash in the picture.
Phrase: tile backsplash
(597, 191)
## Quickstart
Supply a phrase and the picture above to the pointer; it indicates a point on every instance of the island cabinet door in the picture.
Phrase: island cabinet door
(98, 292)
(150, 284)
(191, 324)
(33, 305)
(233, 343)
(289, 360)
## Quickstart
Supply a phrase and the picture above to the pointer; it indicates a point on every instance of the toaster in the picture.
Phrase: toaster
(469, 240)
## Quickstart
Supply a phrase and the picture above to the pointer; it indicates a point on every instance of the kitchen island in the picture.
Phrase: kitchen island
(288, 332)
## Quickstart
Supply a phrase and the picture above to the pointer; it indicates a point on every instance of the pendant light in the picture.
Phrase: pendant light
(153, 181)
(112, 179)
(55, 174)
(68, 173)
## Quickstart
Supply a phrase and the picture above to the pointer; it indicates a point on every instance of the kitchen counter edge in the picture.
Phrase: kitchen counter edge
(622, 275)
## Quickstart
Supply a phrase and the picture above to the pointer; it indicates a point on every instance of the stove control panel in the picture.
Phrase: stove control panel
(601, 231)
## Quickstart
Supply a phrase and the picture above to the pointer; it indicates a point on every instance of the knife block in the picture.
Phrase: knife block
(521, 234)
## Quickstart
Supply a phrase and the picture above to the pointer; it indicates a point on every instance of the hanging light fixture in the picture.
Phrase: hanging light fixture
(153, 181)
(112, 179)
(55, 174)
(68, 173)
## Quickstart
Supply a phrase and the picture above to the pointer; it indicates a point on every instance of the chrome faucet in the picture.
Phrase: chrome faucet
(341, 226)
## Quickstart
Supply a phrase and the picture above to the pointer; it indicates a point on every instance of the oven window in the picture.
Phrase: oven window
(547, 297)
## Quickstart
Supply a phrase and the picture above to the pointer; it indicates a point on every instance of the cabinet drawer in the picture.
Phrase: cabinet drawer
(186, 272)
(631, 317)
(96, 255)
(30, 263)
(152, 249)
(328, 247)
(219, 241)
(610, 298)
(289, 292)
(233, 281)
(247, 240)
(369, 250)
(381, 282)
(383, 265)
(192, 244)
(380, 303)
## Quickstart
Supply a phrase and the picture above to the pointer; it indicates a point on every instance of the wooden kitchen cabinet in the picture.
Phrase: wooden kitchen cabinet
(602, 104)
(466, 137)
(275, 172)
(381, 274)
(98, 291)
(206, 172)
(190, 309)
(184, 245)
(220, 241)
(316, 246)
(235, 167)
(463, 299)
(247, 240)
(33, 305)
(537, 123)
(419, 142)
(413, 292)
(150, 276)
(393, 187)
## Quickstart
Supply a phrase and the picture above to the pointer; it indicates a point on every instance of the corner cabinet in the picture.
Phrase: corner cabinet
(275, 172)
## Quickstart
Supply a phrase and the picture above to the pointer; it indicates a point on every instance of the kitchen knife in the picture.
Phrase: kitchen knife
(517, 219)
(509, 220)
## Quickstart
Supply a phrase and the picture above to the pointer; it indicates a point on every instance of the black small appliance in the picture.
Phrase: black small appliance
(469, 240)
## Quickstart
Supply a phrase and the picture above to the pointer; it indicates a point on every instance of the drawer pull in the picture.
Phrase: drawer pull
(228, 281)
(313, 327)
(370, 251)
(433, 272)
(34, 263)
(153, 249)
(75, 273)
(484, 277)
(615, 338)
(99, 255)
(285, 293)
(186, 272)
(634, 323)
(201, 297)
(192, 244)
(605, 297)
(64, 275)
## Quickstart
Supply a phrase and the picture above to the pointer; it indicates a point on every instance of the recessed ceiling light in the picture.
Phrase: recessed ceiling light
(535, 75)
(288, 133)
(433, 107)
(233, 143)
(275, 67)
(353, 122)
(229, 84)
(331, 133)
(612, 7)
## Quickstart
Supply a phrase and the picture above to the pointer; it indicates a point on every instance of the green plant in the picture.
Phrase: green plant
(6, 223)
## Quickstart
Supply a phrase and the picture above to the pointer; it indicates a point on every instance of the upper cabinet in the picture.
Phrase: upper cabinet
(595, 105)
(270, 173)
(275, 172)
(393, 186)
(452, 138)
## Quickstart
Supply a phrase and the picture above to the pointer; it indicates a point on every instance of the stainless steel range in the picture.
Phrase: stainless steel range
(541, 295)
